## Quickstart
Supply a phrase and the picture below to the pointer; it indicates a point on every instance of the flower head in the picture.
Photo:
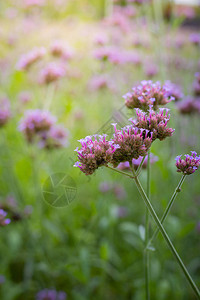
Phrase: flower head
(155, 122)
(55, 137)
(133, 142)
(174, 90)
(52, 72)
(35, 123)
(189, 164)
(189, 105)
(26, 60)
(95, 152)
(148, 93)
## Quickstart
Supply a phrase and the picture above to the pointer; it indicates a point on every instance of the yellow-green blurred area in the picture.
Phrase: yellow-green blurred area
(91, 247)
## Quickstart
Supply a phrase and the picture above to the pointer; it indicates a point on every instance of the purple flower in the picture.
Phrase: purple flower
(189, 164)
(105, 187)
(3, 220)
(189, 105)
(147, 93)
(151, 70)
(26, 60)
(154, 122)
(47, 294)
(174, 90)
(195, 38)
(52, 72)
(133, 142)
(25, 96)
(99, 82)
(94, 153)
(55, 137)
(59, 49)
(136, 162)
(35, 123)
(4, 111)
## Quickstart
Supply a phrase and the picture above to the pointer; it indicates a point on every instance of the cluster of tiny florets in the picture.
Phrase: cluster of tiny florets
(189, 164)
(52, 72)
(28, 59)
(95, 152)
(148, 93)
(48, 294)
(155, 122)
(133, 142)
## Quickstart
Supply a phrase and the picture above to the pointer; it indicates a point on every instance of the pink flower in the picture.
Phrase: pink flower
(28, 59)
(189, 164)
(58, 48)
(52, 72)
(35, 123)
(136, 162)
(148, 93)
(155, 122)
(3, 220)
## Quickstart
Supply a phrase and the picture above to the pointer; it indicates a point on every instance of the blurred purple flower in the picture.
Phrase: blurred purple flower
(136, 162)
(195, 38)
(52, 72)
(151, 70)
(174, 90)
(47, 294)
(99, 82)
(35, 122)
(25, 97)
(55, 137)
(189, 105)
(3, 220)
(26, 60)
(60, 49)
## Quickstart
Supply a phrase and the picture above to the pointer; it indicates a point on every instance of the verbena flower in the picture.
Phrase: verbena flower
(26, 60)
(136, 162)
(148, 93)
(133, 142)
(195, 38)
(59, 49)
(189, 105)
(174, 90)
(52, 72)
(47, 294)
(4, 111)
(3, 220)
(99, 82)
(36, 122)
(55, 137)
(196, 84)
(155, 122)
(95, 152)
(189, 164)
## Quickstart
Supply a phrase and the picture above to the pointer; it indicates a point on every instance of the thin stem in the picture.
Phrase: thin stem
(140, 167)
(166, 237)
(146, 252)
(121, 172)
(177, 190)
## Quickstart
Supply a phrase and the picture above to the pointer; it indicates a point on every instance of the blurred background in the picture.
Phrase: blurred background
(66, 64)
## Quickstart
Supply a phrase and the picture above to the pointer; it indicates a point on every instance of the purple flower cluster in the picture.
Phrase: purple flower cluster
(148, 93)
(26, 60)
(59, 49)
(99, 82)
(52, 72)
(95, 153)
(3, 220)
(154, 122)
(40, 125)
(133, 142)
(189, 164)
(174, 90)
(4, 111)
(189, 105)
(51, 295)
(195, 38)
(116, 56)
(136, 163)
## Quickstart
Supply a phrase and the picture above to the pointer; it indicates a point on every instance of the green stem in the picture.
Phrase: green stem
(140, 167)
(166, 237)
(177, 190)
(120, 172)
(146, 252)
